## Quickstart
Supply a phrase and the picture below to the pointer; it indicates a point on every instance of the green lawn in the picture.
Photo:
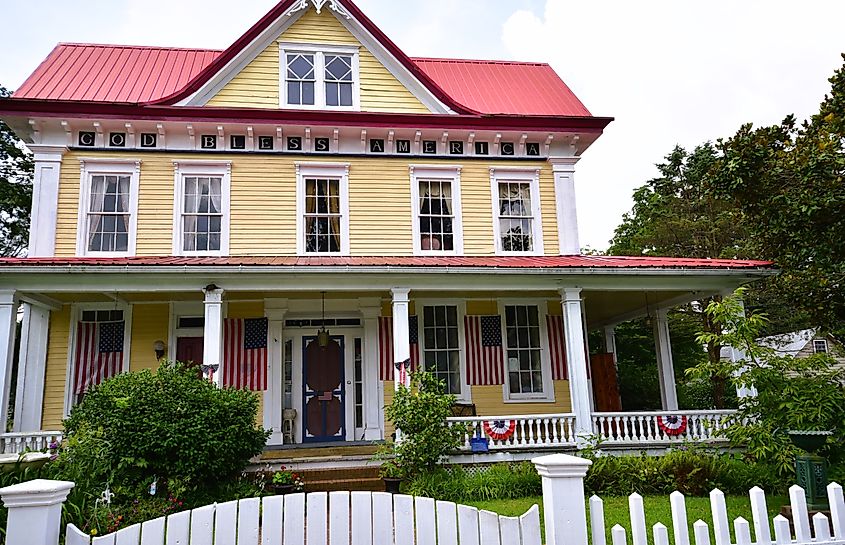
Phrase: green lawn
(656, 508)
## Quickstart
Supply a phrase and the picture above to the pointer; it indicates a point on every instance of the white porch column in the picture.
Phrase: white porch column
(610, 341)
(8, 323)
(213, 335)
(567, 217)
(373, 402)
(576, 360)
(45, 198)
(401, 336)
(275, 311)
(665, 365)
(32, 364)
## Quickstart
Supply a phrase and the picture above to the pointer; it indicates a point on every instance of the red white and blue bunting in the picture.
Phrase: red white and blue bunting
(500, 430)
(672, 425)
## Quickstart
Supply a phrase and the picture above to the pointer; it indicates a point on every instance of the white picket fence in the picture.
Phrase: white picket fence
(530, 431)
(336, 518)
(820, 534)
(643, 428)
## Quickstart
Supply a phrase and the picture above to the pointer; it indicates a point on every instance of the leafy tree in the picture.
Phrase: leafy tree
(16, 171)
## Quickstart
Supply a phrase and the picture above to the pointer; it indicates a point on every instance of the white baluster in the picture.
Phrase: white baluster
(821, 527)
(783, 534)
(837, 509)
(702, 533)
(800, 517)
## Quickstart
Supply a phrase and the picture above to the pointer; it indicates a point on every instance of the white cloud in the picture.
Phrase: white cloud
(676, 72)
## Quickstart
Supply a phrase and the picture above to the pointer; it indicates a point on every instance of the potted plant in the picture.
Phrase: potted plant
(286, 481)
(392, 475)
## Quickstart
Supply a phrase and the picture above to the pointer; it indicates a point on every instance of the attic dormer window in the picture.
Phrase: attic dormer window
(319, 77)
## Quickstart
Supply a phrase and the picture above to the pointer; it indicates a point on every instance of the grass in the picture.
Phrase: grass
(656, 508)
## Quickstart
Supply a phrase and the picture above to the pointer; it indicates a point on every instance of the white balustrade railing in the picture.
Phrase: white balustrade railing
(17, 443)
(644, 428)
(528, 431)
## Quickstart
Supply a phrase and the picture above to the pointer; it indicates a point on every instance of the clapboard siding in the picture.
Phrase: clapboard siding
(257, 85)
(55, 374)
(149, 324)
(489, 400)
(263, 204)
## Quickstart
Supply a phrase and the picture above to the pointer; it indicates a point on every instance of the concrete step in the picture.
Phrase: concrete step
(352, 479)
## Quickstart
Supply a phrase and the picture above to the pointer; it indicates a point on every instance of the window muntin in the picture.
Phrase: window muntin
(820, 346)
(301, 79)
(441, 348)
(516, 216)
(339, 80)
(287, 379)
(109, 213)
(323, 225)
(202, 217)
(524, 353)
(436, 216)
(359, 383)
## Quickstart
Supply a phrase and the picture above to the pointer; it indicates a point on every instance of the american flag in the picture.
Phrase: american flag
(557, 347)
(385, 345)
(99, 353)
(485, 364)
(245, 353)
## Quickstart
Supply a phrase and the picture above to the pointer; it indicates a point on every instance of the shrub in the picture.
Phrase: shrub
(420, 413)
(169, 424)
(500, 481)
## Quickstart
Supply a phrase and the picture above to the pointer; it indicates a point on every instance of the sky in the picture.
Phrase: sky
(671, 72)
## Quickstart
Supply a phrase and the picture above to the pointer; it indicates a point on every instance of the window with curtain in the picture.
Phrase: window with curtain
(322, 216)
(109, 214)
(436, 216)
(339, 80)
(522, 328)
(301, 79)
(202, 216)
(516, 219)
(441, 351)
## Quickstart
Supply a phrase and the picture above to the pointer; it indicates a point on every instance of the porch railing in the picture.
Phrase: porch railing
(17, 443)
(522, 431)
(644, 428)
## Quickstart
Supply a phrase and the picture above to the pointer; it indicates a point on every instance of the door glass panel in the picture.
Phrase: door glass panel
(288, 375)
(359, 385)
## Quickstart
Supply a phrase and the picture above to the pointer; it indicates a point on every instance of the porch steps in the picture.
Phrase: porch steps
(353, 479)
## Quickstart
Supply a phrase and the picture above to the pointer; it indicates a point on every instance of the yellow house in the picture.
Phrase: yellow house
(308, 214)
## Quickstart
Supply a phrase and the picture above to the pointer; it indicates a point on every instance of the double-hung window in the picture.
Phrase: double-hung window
(323, 209)
(437, 221)
(525, 378)
(108, 207)
(441, 349)
(319, 76)
(516, 208)
(201, 215)
(820, 346)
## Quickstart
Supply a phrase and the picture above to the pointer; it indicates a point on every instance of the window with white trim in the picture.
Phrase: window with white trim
(108, 208)
(524, 351)
(516, 207)
(437, 225)
(820, 346)
(201, 215)
(441, 347)
(320, 76)
(323, 209)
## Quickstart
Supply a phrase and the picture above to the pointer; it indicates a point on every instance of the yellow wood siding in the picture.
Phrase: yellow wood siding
(489, 401)
(257, 85)
(150, 323)
(263, 204)
(56, 372)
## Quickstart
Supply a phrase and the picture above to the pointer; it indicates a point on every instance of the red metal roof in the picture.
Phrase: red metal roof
(114, 73)
(506, 262)
(503, 87)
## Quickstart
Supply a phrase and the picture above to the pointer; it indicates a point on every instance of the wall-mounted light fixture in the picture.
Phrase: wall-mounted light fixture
(159, 348)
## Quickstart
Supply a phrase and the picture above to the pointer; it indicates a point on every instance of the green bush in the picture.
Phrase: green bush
(500, 481)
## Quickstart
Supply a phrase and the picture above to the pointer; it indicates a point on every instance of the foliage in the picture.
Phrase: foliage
(16, 171)
(169, 424)
(420, 413)
(793, 393)
(285, 477)
(500, 481)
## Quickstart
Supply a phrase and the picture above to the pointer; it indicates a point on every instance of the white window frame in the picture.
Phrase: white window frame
(448, 173)
(90, 167)
(826, 347)
(76, 315)
(466, 390)
(182, 310)
(221, 169)
(319, 52)
(532, 176)
(338, 171)
(548, 395)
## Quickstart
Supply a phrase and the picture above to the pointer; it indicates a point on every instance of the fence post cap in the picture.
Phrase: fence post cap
(561, 465)
(38, 492)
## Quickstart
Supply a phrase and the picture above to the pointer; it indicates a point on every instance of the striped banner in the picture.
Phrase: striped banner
(485, 360)
(245, 353)
(557, 347)
(385, 346)
(99, 353)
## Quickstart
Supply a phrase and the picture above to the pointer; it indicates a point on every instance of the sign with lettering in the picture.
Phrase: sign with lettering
(322, 144)
(87, 139)
(208, 141)
(149, 140)
(294, 143)
(482, 148)
(456, 147)
(430, 146)
(265, 143)
(508, 148)
(237, 141)
(376, 145)
(532, 148)
(403, 146)
(117, 139)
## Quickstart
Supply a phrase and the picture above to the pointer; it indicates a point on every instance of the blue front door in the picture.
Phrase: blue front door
(323, 390)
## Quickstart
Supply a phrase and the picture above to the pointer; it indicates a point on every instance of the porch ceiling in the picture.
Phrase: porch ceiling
(610, 307)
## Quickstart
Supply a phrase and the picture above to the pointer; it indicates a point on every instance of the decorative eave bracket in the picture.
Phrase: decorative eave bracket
(334, 5)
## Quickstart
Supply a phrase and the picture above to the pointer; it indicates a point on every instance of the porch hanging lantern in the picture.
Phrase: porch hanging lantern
(323, 335)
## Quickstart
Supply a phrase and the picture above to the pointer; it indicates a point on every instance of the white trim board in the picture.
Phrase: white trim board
(90, 167)
(221, 169)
